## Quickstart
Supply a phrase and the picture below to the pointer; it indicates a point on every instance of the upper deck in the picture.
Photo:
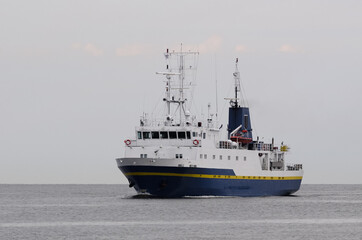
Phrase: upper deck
(179, 136)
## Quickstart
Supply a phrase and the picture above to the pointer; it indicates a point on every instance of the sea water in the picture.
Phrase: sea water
(116, 212)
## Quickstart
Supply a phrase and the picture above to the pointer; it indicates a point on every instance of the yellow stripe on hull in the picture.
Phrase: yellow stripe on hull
(211, 176)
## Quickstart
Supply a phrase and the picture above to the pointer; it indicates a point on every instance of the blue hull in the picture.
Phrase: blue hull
(184, 181)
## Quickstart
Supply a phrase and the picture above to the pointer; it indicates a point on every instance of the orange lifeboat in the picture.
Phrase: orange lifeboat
(240, 139)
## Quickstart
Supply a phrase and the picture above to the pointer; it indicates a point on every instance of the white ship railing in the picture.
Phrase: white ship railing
(162, 142)
(255, 146)
(158, 122)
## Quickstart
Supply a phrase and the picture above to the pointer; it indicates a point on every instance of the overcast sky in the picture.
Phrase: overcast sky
(76, 75)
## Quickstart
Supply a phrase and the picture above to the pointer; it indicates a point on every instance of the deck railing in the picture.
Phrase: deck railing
(255, 146)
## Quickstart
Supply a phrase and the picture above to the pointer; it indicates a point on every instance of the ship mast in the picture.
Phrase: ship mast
(181, 79)
(175, 91)
(234, 102)
(239, 115)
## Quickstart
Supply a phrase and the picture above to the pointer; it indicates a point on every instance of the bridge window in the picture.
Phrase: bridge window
(181, 135)
(188, 135)
(172, 135)
(204, 135)
(146, 135)
(194, 134)
(139, 135)
(155, 135)
(164, 135)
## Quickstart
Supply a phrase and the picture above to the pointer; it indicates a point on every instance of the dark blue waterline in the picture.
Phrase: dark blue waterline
(179, 186)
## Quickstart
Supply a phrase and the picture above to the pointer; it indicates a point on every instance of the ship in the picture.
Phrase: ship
(181, 155)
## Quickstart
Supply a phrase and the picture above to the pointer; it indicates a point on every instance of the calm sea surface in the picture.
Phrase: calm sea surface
(112, 212)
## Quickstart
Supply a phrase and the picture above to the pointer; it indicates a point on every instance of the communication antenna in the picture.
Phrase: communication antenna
(237, 84)
(216, 95)
(234, 101)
